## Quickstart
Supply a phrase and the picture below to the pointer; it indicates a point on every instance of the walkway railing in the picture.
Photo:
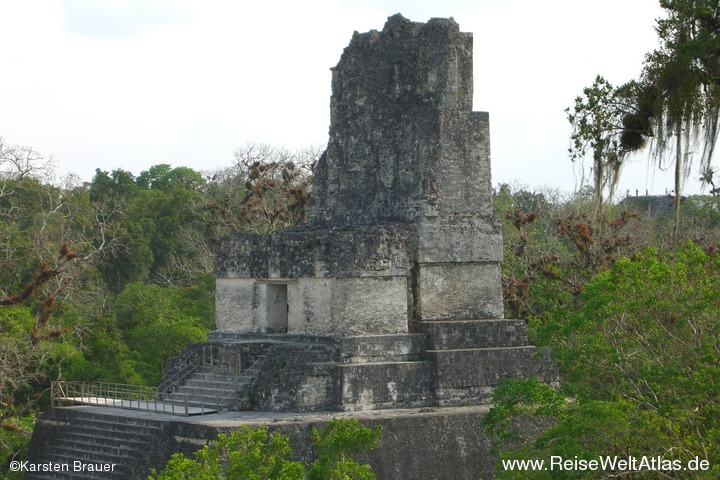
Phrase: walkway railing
(174, 381)
(131, 397)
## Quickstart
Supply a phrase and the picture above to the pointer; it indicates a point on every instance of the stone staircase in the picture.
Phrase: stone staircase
(221, 385)
(94, 440)
(444, 363)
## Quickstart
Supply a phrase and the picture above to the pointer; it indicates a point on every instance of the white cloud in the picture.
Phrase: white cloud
(117, 18)
(130, 83)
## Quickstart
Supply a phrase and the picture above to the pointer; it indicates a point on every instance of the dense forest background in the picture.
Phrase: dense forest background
(105, 280)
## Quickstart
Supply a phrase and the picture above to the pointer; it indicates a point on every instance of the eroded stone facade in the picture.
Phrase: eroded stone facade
(400, 228)
(400, 254)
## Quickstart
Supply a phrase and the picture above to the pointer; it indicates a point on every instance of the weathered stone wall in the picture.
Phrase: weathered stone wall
(403, 190)
(429, 444)
(655, 206)
(297, 379)
(459, 291)
(404, 142)
(378, 250)
(314, 306)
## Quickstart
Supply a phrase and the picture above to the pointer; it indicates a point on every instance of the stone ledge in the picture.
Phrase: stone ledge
(377, 386)
(488, 366)
(416, 444)
(460, 334)
(379, 348)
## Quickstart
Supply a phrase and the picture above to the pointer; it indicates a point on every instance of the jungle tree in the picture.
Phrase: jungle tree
(683, 75)
(611, 123)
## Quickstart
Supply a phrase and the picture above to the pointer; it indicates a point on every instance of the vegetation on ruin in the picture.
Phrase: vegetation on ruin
(256, 454)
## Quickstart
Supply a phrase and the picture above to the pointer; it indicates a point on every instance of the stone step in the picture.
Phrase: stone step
(195, 399)
(459, 334)
(103, 445)
(214, 383)
(89, 436)
(382, 348)
(122, 469)
(223, 337)
(229, 368)
(213, 370)
(71, 474)
(488, 366)
(115, 422)
(221, 370)
(180, 398)
(93, 426)
(205, 391)
(69, 451)
(82, 432)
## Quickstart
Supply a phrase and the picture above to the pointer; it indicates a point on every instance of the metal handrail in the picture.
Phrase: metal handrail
(176, 378)
(118, 395)
(151, 399)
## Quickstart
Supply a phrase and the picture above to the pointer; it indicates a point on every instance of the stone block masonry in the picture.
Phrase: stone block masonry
(400, 227)
(400, 241)
(433, 444)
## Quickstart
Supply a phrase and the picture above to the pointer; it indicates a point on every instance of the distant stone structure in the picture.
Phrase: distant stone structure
(388, 299)
(654, 206)
(398, 266)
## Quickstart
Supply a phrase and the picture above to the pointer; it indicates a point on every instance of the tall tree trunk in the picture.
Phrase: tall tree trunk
(598, 177)
(678, 170)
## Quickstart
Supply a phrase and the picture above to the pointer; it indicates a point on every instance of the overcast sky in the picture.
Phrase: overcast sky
(133, 83)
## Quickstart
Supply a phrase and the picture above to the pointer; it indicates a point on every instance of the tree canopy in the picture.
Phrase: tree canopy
(106, 280)
(675, 102)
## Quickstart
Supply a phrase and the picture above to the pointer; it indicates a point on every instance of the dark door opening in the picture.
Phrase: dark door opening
(277, 308)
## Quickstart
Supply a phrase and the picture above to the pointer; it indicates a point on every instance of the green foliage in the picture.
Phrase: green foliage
(639, 361)
(517, 403)
(552, 248)
(246, 453)
(335, 446)
(15, 435)
(703, 211)
(256, 454)
(151, 217)
(153, 323)
(29, 359)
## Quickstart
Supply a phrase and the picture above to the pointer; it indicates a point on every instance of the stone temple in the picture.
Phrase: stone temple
(386, 305)
(395, 278)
